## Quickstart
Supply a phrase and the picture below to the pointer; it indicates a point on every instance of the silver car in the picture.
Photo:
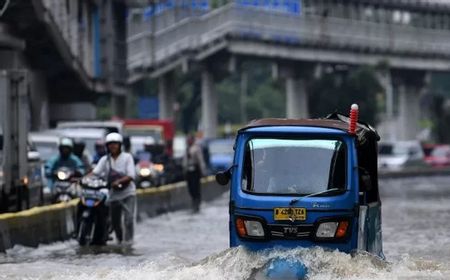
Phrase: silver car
(395, 156)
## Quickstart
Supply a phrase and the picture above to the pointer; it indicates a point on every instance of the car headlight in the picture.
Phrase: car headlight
(62, 175)
(249, 228)
(332, 230)
(145, 172)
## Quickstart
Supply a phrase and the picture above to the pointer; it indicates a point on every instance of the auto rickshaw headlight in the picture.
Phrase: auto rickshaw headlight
(254, 228)
(332, 229)
(249, 228)
(327, 230)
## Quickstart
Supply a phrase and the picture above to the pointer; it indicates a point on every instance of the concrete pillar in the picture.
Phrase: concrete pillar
(209, 105)
(388, 120)
(409, 112)
(296, 98)
(410, 90)
(295, 76)
(166, 96)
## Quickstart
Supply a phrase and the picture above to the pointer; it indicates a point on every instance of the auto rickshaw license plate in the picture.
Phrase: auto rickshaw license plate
(286, 214)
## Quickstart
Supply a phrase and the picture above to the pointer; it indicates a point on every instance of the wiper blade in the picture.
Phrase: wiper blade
(324, 192)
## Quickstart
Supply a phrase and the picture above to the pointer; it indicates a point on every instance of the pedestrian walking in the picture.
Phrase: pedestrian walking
(194, 168)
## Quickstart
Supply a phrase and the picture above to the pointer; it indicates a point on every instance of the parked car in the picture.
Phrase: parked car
(400, 155)
(437, 155)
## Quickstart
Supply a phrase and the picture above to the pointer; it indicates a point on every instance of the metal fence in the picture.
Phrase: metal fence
(150, 47)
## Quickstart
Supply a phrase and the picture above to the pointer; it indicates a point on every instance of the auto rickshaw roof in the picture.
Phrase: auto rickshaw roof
(334, 121)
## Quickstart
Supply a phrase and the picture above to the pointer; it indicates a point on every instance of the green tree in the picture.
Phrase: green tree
(337, 91)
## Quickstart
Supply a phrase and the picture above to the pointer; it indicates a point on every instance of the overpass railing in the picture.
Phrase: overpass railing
(149, 48)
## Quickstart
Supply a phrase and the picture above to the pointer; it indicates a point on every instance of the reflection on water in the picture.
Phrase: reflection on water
(184, 246)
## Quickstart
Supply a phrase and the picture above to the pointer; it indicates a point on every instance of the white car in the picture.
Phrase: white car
(395, 156)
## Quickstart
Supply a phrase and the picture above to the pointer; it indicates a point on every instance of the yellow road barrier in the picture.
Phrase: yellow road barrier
(50, 223)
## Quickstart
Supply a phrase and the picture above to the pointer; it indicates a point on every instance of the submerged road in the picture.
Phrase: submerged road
(179, 245)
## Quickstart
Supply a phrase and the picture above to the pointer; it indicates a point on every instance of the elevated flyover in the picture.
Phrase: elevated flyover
(71, 49)
(401, 37)
(257, 32)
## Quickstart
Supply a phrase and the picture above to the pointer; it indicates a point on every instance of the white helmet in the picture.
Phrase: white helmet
(113, 137)
(66, 142)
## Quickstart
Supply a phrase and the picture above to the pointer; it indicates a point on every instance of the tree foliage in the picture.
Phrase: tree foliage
(265, 98)
(336, 91)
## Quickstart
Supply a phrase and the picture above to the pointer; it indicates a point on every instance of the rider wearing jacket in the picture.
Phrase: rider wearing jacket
(65, 159)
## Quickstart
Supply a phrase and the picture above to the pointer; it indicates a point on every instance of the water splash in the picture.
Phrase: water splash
(240, 264)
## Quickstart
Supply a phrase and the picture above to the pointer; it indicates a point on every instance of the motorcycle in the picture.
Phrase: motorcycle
(93, 214)
(150, 174)
(65, 185)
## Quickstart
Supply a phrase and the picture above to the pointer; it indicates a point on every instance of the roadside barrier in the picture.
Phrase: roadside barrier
(56, 222)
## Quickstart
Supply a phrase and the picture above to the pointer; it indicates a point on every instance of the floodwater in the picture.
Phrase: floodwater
(179, 245)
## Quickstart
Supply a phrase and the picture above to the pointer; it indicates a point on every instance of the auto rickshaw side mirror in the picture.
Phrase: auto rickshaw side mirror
(223, 177)
(365, 183)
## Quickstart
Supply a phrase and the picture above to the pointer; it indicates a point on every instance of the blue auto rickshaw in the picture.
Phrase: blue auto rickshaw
(305, 183)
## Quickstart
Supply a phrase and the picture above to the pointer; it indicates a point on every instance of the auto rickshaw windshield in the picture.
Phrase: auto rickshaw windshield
(294, 166)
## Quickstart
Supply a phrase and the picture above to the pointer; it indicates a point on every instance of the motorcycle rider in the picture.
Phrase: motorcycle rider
(100, 151)
(79, 150)
(119, 169)
(65, 159)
